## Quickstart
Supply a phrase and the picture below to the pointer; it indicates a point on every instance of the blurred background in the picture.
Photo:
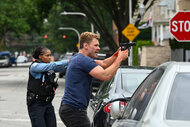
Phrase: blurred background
(58, 24)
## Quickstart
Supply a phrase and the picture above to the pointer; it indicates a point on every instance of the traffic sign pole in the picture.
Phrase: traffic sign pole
(130, 32)
(184, 52)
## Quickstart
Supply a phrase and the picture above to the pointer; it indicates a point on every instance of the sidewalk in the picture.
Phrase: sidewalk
(23, 64)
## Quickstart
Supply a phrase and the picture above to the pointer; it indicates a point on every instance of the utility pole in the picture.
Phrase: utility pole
(130, 58)
(71, 28)
(78, 13)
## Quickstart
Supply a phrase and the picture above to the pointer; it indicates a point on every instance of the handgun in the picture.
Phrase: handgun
(125, 46)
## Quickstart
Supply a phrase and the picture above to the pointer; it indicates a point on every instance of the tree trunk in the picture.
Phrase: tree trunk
(2, 45)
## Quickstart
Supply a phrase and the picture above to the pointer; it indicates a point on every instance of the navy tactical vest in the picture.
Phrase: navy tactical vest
(46, 88)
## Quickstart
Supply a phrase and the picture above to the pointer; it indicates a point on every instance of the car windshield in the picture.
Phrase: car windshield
(179, 105)
(2, 57)
(126, 82)
(130, 81)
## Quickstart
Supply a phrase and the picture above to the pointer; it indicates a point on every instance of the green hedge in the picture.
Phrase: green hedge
(139, 44)
(174, 44)
(145, 34)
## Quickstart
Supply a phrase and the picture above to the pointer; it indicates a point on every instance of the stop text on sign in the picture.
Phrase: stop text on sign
(182, 26)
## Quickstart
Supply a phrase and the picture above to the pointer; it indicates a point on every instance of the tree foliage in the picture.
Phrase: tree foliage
(44, 7)
(118, 10)
(27, 17)
(21, 17)
(12, 18)
(55, 36)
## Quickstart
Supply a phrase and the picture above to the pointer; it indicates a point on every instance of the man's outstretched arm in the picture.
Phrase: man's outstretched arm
(108, 61)
(106, 74)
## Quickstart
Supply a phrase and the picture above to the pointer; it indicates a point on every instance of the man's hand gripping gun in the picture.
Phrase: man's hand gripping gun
(125, 46)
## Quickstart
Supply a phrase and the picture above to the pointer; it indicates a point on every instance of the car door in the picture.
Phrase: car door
(142, 96)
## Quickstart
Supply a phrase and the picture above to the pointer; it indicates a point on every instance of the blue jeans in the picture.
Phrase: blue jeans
(42, 114)
(73, 117)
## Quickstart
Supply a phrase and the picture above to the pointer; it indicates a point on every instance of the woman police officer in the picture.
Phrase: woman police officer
(41, 88)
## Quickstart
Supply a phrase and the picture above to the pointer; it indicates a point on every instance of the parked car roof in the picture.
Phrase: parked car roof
(21, 59)
(4, 53)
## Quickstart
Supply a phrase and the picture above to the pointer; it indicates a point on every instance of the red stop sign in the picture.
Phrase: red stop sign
(180, 26)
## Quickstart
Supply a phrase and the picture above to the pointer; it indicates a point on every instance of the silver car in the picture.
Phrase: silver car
(162, 99)
(122, 85)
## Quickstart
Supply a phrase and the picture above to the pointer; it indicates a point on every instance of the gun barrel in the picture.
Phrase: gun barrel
(127, 45)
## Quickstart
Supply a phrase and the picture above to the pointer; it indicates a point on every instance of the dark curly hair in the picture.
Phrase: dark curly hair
(39, 51)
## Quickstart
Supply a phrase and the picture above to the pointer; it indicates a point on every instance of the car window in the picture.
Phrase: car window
(130, 81)
(104, 89)
(112, 87)
(101, 57)
(179, 105)
(2, 57)
(142, 96)
(67, 56)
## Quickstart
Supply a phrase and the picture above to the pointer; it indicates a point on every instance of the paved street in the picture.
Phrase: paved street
(13, 110)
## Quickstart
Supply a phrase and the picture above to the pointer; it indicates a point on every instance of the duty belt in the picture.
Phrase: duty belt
(41, 98)
(44, 98)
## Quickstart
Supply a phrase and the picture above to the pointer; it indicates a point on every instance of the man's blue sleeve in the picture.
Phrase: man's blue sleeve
(42, 67)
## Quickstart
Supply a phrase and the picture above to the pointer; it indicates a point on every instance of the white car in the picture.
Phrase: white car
(4, 61)
(21, 59)
(162, 99)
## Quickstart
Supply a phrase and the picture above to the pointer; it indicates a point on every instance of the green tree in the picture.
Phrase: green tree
(22, 17)
(43, 8)
(118, 10)
(12, 18)
(55, 21)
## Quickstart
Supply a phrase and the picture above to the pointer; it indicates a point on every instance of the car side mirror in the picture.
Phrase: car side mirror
(117, 108)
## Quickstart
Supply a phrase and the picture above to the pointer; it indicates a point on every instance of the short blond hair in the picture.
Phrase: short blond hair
(87, 37)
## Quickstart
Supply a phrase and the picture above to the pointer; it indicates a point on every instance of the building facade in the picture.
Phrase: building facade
(159, 17)
(163, 11)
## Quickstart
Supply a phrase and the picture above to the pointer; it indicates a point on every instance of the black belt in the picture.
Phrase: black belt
(44, 98)
(41, 98)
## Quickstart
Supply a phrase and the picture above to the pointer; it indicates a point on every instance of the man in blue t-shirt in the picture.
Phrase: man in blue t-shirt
(81, 68)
